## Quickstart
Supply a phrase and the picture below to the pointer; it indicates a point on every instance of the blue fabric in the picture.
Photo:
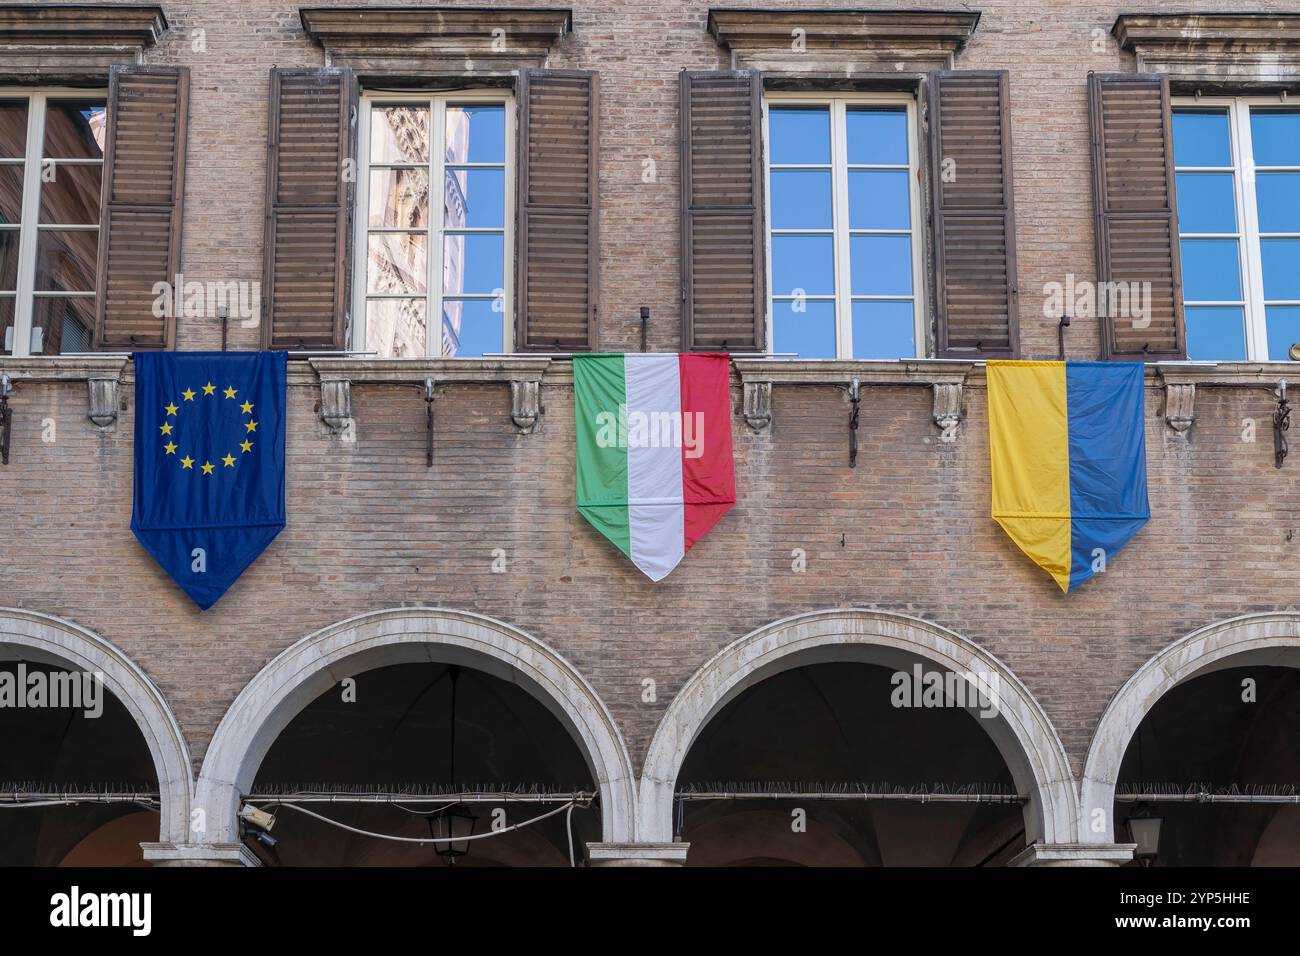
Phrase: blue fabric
(206, 521)
(1108, 460)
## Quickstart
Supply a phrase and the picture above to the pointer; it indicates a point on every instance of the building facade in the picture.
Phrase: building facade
(863, 206)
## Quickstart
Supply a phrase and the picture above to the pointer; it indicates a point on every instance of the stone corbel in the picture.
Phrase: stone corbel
(336, 403)
(103, 401)
(1180, 405)
(758, 405)
(947, 405)
(526, 405)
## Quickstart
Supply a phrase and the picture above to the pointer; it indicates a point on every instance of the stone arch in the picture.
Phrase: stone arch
(1022, 732)
(319, 661)
(52, 640)
(1262, 639)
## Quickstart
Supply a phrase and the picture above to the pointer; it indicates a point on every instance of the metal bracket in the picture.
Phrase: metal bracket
(526, 405)
(103, 401)
(758, 405)
(428, 423)
(855, 398)
(947, 406)
(1281, 424)
(6, 417)
(336, 403)
(1180, 406)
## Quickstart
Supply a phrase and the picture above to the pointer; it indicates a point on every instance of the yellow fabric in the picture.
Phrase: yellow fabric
(1029, 456)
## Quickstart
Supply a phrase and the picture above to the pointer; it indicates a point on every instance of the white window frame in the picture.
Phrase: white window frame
(1248, 235)
(437, 103)
(29, 229)
(839, 104)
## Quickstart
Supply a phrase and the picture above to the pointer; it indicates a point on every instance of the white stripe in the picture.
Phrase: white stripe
(656, 514)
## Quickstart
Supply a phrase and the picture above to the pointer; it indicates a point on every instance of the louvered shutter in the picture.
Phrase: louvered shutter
(557, 249)
(140, 212)
(723, 281)
(974, 229)
(310, 140)
(1137, 224)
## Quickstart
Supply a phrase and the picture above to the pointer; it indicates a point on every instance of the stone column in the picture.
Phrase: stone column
(199, 854)
(1075, 854)
(637, 854)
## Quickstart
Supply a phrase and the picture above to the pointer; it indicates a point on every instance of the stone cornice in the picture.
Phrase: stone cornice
(413, 41)
(831, 42)
(77, 41)
(1250, 47)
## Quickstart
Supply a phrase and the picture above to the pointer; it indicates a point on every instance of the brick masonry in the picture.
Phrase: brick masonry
(909, 530)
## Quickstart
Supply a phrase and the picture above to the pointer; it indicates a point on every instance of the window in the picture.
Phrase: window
(455, 262)
(844, 263)
(1237, 165)
(51, 168)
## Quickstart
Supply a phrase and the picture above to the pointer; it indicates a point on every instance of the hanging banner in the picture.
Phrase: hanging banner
(1068, 457)
(655, 471)
(209, 463)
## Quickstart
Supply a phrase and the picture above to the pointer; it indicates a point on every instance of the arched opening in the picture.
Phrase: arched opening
(93, 763)
(855, 738)
(1196, 760)
(420, 724)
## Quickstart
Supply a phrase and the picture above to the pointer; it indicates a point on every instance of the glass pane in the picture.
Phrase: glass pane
(13, 128)
(804, 263)
(471, 327)
(804, 328)
(11, 193)
(878, 199)
(1281, 268)
(8, 260)
(1215, 333)
(74, 129)
(399, 134)
(476, 134)
(398, 262)
(1211, 270)
(883, 330)
(399, 198)
(1275, 137)
(1201, 139)
(6, 324)
(877, 137)
(882, 265)
(1278, 195)
(65, 260)
(473, 263)
(799, 135)
(62, 324)
(395, 328)
(70, 194)
(474, 198)
(1207, 202)
(801, 199)
(1283, 331)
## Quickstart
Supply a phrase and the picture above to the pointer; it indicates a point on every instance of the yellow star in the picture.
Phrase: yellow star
(230, 461)
(209, 389)
(187, 462)
(170, 448)
(188, 395)
(251, 426)
(207, 467)
(170, 409)
(166, 428)
(230, 391)
(247, 407)
(246, 445)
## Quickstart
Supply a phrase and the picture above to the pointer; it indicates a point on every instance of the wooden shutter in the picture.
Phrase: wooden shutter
(308, 200)
(974, 225)
(557, 251)
(723, 280)
(140, 211)
(1137, 223)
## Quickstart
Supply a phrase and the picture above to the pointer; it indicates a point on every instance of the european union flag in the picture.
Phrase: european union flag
(209, 463)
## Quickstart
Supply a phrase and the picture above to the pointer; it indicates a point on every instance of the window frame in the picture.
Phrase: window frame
(839, 103)
(29, 227)
(437, 102)
(1248, 235)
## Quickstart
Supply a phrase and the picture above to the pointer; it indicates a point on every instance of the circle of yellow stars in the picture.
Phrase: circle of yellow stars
(172, 410)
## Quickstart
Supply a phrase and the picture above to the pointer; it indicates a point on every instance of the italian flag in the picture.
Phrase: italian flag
(654, 451)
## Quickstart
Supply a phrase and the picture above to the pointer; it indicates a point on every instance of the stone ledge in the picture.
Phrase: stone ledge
(442, 371)
(637, 854)
(44, 42)
(1247, 47)
(1074, 854)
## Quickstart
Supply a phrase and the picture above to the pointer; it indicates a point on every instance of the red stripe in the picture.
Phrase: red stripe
(708, 481)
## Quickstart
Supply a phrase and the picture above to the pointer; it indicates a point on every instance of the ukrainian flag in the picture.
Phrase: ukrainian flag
(1068, 458)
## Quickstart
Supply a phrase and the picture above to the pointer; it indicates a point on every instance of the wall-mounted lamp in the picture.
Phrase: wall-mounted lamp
(1060, 335)
(645, 326)
(1281, 424)
(428, 423)
(855, 397)
(6, 417)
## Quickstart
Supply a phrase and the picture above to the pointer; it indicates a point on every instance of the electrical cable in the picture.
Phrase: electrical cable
(425, 840)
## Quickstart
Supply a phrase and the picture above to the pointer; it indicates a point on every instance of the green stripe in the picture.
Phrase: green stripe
(599, 387)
